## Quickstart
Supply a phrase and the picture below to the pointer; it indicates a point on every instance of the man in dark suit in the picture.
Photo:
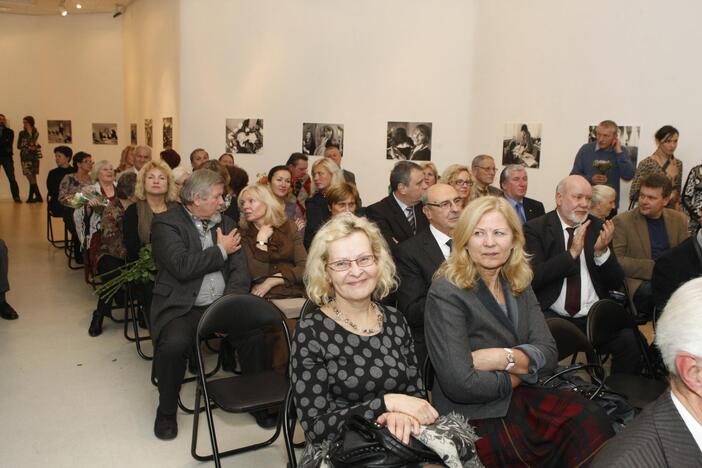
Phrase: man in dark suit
(7, 138)
(399, 215)
(199, 259)
(676, 266)
(574, 267)
(668, 432)
(333, 152)
(514, 181)
(419, 257)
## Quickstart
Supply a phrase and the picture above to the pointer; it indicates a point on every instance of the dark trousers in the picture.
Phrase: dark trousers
(9, 167)
(176, 344)
(75, 241)
(4, 263)
(624, 348)
(643, 301)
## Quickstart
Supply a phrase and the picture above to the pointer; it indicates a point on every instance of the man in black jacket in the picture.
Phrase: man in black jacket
(199, 259)
(7, 138)
(678, 265)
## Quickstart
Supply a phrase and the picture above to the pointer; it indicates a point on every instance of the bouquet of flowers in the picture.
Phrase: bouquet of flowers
(80, 199)
(142, 269)
(602, 165)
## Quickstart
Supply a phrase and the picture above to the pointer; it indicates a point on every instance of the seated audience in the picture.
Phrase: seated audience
(238, 179)
(216, 166)
(170, 157)
(604, 199)
(110, 251)
(460, 178)
(333, 152)
(7, 312)
(272, 244)
(279, 181)
(514, 181)
(343, 198)
(325, 173)
(675, 267)
(349, 268)
(198, 157)
(668, 431)
(489, 344)
(71, 184)
(126, 159)
(62, 155)
(227, 160)
(574, 267)
(198, 255)
(301, 182)
(484, 171)
(180, 175)
(692, 198)
(420, 256)
(87, 219)
(399, 215)
(431, 173)
(644, 234)
(142, 155)
(663, 162)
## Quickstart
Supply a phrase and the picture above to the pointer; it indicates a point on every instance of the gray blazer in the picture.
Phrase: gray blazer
(458, 321)
(182, 264)
(658, 437)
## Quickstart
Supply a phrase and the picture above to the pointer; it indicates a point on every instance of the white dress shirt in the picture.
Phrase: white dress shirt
(441, 239)
(692, 424)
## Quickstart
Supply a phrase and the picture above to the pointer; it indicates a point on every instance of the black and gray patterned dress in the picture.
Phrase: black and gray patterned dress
(692, 197)
(336, 373)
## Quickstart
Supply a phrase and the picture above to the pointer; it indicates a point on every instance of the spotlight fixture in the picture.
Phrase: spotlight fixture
(63, 11)
(79, 6)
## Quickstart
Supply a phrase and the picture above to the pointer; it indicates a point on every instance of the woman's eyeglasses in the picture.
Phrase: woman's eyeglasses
(343, 265)
(462, 182)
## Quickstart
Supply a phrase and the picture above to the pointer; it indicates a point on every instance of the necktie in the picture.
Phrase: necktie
(410, 219)
(572, 299)
(450, 244)
(520, 212)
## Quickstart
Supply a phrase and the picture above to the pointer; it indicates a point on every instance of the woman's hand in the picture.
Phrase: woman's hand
(418, 408)
(300, 223)
(94, 202)
(495, 359)
(264, 233)
(400, 425)
(262, 288)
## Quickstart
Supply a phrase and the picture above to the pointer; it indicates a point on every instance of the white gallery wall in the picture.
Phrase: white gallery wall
(62, 69)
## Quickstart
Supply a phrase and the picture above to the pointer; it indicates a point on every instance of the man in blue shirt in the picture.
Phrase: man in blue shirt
(607, 147)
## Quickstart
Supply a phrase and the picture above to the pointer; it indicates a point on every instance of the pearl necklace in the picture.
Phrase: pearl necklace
(366, 331)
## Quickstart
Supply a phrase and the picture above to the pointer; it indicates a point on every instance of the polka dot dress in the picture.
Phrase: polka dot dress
(336, 373)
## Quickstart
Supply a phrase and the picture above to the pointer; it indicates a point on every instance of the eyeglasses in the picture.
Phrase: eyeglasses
(343, 265)
(444, 205)
(462, 182)
(489, 168)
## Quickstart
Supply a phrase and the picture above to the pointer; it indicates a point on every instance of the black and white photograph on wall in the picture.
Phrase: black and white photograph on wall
(59, 131)
(243, 136)
(409, 141)
(105, 134)
(317, 136)
(629, 136)
(149, 132)
(167, 132)
(133, 134)
(521, 144)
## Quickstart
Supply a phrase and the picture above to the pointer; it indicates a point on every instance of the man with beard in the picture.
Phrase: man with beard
(574, 266)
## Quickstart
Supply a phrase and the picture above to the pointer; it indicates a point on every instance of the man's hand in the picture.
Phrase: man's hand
(617, 145)
(605, 238)
(230, 242)
(599, 179)
(576, 247)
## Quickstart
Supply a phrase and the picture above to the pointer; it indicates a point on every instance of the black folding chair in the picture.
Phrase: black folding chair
(428, 375)
(605, 320)
(238, 314)
(58, 243)
(570, 341)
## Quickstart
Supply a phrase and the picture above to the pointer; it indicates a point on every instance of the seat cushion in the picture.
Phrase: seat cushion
(246, 393)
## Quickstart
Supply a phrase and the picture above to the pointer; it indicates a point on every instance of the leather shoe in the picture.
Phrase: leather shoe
(7, 312)
(165, 427)
(265, 419)
(17, 200)
(95, 328)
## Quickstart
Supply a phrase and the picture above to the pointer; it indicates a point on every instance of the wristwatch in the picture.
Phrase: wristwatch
(261, 243)
(510, 359)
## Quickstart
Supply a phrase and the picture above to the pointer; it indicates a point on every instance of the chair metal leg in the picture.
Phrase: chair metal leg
(289, 429)
(132, 316)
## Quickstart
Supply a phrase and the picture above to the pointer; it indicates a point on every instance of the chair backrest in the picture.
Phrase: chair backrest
(605, 320)
(428, 374)
(307, 308)
(570, 340)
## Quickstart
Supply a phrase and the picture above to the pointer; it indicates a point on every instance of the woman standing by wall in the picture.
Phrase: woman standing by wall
(30, 152)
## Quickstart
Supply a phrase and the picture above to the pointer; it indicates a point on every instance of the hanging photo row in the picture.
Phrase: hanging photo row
(133, 134)
(409, 141)
(316, 137)
(59, 131)
(167, 132)
(105, 134)
(243, 136)
(149, 132)
(521, 144)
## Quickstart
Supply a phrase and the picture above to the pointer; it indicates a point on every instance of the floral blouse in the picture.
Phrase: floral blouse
(112, 239)
(69, 186)
(25, 143)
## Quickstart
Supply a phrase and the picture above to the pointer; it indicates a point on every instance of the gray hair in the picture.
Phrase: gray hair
(679, 328)
(143, 147)
(508, 170)
(479, 159)
(401, 172)
(199, 183)
(97, 168)
(601, 193)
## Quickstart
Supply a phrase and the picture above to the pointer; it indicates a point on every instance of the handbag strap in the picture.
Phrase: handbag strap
(592, 370)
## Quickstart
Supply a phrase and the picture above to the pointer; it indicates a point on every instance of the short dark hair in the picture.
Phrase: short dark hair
(29, 119)
(400, 173)
(665, 132)
(64, 150)
(295, 157)
(238, 178)
(660, 181)
(79, 157)
(275, 169)
(332, 145)
(170, 157)
(192, 154)
(126, 184)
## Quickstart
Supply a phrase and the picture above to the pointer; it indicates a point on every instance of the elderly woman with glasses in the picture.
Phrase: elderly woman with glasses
(460, 178)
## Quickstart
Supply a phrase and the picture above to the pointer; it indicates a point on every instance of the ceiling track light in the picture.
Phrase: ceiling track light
(79, 6)
(62, 8)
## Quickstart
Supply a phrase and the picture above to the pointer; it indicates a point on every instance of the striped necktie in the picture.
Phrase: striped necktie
(410, 219)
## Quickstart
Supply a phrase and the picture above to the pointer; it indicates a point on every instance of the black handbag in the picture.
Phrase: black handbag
(368, 444)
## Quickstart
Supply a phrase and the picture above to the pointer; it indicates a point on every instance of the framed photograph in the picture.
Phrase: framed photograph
(133, 134)
(521, 144)
(409, 141)
(59, 131)
(629, 136)
(316, 137)
(149, 132)
(105, 134)
(243, 136)
(167, 132)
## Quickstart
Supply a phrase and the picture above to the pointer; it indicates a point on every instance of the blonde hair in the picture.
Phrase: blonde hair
(123, 158)
(451, 173)
(602, 192)
(432, 166)
(275, 214)
(317, 284)
(461, 270)
(332, 168)
(140, 192)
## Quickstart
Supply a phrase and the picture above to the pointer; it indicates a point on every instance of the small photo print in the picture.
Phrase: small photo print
(317, 136)
(149, 132)
(133, 134)
(409, 141)
(243, 136)
(104, 133)
(629, 136)
(167, 132)
(59, 131)
(521, 144)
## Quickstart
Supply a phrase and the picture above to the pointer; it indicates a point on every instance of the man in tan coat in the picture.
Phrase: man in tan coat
(645, 233)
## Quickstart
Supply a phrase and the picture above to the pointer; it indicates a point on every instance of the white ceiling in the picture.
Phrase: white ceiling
(51, 7)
